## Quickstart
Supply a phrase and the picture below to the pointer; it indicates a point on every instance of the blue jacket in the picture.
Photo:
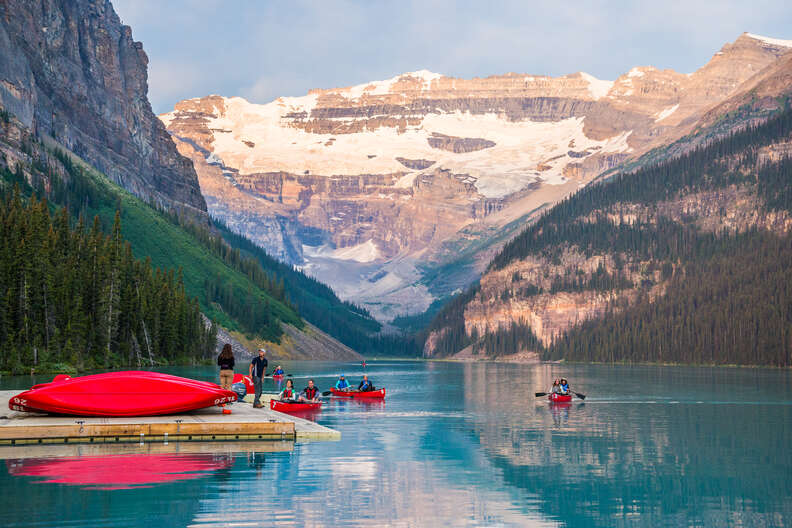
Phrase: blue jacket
(342, 384)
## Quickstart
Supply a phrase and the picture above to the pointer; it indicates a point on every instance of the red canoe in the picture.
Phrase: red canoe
(247, 380)
(128, 393)
(559, 398)
(292, 407)
(378, 394)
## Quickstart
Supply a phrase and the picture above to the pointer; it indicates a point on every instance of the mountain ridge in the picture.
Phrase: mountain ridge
(314, 179)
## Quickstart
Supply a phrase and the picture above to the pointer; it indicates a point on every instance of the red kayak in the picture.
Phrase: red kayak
(378, 394)
(559, 398)
(292, 407)
(127, 393)
(247, 380)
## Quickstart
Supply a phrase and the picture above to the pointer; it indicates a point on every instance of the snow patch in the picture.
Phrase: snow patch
(406, 181)
(635, 72)
(597, 87)
(665, 113)
(771, 41)
(384, 87)
(364, 252)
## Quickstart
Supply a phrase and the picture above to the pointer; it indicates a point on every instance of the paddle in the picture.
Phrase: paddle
(579, 395)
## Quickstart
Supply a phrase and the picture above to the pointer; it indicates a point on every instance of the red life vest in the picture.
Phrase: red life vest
(310, 392)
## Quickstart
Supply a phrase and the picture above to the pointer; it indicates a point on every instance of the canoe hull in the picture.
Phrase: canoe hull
(287, 407)
(559, 398)
(247, 380)
(128, 393)
(367, 395)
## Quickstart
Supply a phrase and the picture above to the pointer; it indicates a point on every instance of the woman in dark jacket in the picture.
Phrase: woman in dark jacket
(226, 362)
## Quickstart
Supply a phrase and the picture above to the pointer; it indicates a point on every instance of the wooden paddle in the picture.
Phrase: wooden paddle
(579, 395)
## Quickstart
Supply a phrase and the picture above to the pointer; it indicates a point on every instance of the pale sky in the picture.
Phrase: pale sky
(262, 49)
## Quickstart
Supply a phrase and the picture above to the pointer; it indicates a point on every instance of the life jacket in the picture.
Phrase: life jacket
(342, 384)
(310, 392)
(287, 393)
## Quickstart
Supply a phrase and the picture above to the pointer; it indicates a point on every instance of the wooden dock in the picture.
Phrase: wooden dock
(209, 425)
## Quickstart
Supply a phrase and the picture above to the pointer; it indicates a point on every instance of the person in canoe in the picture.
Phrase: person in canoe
(278, 371)
(309, 393)
(365, 385)
(556, 386)
(564, 386)
(342, 384)
(288, 393)
(258, 367)
(226, 363)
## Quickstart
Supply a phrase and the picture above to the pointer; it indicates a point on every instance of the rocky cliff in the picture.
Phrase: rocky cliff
(71, 71)
(368, 187)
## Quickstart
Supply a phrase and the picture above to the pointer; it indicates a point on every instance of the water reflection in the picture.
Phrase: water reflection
(119, 471)
(469, 445)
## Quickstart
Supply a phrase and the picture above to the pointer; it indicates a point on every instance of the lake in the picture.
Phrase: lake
(454, 444)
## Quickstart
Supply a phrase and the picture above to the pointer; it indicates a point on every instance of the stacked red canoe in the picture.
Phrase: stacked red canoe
(127, 393)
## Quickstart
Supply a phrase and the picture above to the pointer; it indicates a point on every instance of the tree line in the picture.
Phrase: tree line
(728, 296)
(75, 296)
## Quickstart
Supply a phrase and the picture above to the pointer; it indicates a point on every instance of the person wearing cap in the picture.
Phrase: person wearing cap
(342, 384)
(258, 367)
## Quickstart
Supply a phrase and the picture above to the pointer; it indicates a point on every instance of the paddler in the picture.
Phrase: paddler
(365, 385)
(342, 384)
(564, 386)
(556, 386)
(278, 371)
(309, 393)
(288, 394)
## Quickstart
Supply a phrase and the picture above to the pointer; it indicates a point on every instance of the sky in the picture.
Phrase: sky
(264, 49)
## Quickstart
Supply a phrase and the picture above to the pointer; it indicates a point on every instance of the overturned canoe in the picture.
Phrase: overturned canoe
(126, 393)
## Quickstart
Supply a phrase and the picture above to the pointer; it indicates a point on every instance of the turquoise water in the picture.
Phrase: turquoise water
(454, 445)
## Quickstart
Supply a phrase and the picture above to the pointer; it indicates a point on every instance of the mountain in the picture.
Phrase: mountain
(77, 129)
(400, 191)
(687, 260)
(71, 71)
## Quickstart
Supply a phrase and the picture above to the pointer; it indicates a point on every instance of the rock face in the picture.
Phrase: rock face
(71, 71)
(368, 187)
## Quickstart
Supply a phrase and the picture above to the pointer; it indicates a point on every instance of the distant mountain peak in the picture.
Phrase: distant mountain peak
(769, 40)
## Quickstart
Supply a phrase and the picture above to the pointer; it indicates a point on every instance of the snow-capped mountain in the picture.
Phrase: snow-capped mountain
(371, 187)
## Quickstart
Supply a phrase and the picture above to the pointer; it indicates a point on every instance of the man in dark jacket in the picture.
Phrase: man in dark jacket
(365, 385)
(258, 367)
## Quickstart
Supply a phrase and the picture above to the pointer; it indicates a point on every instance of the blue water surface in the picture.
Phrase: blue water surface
(454, 444)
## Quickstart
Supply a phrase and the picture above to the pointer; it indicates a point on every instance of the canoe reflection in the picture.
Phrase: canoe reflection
(119, 471)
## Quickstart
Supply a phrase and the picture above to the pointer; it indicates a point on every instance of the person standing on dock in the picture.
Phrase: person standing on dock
(258, 367)
(226, 363)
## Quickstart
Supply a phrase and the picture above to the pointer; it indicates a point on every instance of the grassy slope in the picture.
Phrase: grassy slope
(152, 235)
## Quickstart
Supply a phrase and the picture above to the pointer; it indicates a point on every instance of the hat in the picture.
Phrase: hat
(262, 350)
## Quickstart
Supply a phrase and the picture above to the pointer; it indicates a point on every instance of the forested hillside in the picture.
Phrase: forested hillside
(239, 289)
(76, 298)
(684, 261)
